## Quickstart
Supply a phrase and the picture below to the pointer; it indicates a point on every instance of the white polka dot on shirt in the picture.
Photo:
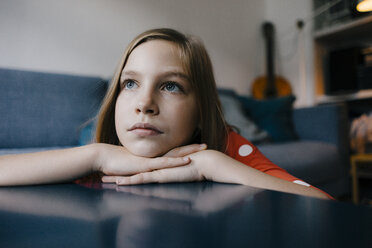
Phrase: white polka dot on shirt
(245, 150)
(301, 183)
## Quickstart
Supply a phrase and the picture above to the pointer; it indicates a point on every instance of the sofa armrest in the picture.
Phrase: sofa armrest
(327, 123)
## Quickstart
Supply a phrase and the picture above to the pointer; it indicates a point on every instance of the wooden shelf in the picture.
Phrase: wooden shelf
(363, 94)
(353, 33)
(358, 28)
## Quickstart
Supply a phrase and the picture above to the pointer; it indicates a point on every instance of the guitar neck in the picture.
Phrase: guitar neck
(270, 90)
(270, 63)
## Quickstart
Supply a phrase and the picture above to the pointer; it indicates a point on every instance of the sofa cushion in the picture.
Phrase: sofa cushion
(87, 134)
(44, 109)
(235, 116)
(273, 116)
(312, 161)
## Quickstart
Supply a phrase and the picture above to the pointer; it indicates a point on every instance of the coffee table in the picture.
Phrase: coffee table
(201, 214)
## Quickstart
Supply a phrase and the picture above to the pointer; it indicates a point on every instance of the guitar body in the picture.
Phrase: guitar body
(270, 86)
(259, 88)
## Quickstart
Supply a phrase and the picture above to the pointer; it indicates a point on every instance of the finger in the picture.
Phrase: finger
(164, 162)
(185, 150)
(141, 178)
(169, 175)
(146, 165)
(108, 179)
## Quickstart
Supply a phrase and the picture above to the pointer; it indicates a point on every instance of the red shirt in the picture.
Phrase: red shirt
(245, 152)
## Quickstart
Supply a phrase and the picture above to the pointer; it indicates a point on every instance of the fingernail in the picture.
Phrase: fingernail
(203, 146)
(186, 159)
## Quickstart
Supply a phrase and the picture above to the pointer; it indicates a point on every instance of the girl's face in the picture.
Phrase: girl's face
(156, 109)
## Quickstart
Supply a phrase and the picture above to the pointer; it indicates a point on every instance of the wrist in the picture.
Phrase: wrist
(219, 167)
(205, 162)
(96, 156)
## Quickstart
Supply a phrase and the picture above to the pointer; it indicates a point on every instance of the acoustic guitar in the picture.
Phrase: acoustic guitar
(270, 85)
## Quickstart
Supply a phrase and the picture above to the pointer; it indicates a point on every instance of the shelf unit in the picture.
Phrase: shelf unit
(356, 32)
(359, 28)
(360, 95)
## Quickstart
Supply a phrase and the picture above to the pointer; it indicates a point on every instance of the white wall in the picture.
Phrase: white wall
(294, 46)
(88, 36)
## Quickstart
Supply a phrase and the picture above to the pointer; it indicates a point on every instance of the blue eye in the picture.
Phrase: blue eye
(130, 84)
(172, 87)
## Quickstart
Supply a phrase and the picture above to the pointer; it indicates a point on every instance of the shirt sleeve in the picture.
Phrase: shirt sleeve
(245, 152)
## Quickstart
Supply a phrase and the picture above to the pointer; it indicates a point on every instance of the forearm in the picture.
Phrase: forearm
(229, 170)
(258, 179)
(214, 166)
(47, 167)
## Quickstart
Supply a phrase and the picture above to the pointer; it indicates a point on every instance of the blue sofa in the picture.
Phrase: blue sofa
(310, 143)
(320, 156)
(43, 111)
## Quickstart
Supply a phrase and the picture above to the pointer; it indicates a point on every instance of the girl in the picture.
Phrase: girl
(159, 116)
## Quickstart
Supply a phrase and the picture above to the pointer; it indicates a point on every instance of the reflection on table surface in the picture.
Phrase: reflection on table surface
(176, 215)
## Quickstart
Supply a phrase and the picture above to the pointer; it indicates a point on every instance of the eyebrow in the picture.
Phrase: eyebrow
(165, 74)
(131, 73)
(176, 74)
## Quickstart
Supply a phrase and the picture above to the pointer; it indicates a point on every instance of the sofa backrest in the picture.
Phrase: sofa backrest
(46, 109)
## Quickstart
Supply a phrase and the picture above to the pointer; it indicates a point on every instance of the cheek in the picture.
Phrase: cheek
(185, 119)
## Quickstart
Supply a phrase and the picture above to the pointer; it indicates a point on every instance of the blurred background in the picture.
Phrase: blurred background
(87, 37)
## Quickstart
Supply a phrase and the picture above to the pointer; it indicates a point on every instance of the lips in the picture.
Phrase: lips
(144, 129)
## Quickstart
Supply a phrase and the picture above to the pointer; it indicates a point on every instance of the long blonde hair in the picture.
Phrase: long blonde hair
(213, 129)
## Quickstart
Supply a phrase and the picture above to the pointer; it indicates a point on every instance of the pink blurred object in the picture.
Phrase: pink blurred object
(361, 134)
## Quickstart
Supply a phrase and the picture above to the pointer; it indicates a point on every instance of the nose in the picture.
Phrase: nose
(147, 103)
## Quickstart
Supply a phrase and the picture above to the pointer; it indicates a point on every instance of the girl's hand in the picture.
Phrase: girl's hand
(185, 150)
(169, 160)
(206, 164)
(218, 167)
(117, 161)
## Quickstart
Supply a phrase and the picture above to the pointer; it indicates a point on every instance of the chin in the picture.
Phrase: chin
(149, 152)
